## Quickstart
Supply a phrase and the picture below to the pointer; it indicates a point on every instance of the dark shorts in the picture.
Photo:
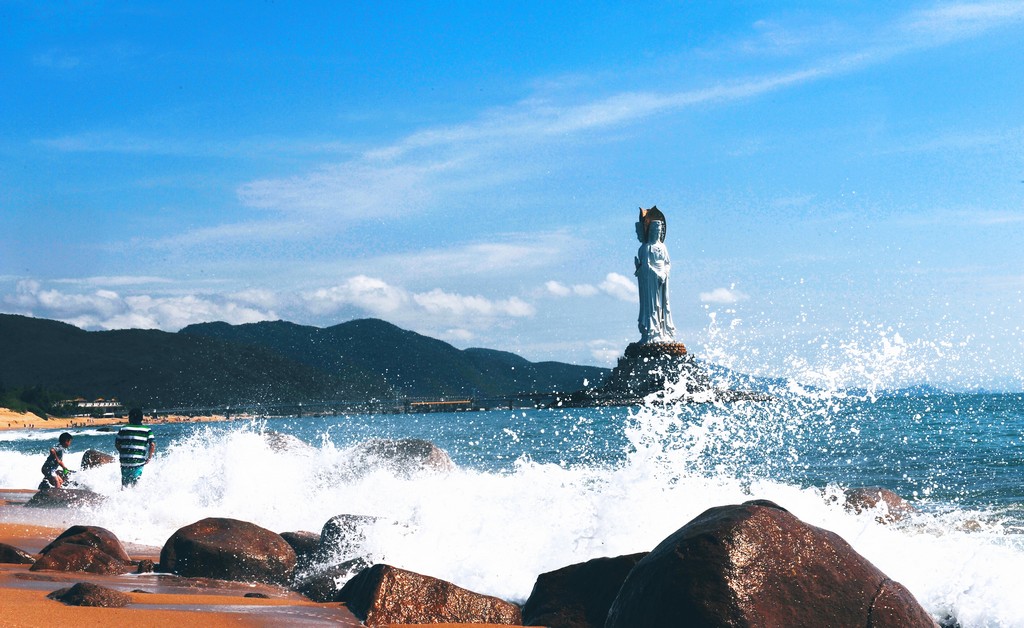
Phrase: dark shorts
(130, 475)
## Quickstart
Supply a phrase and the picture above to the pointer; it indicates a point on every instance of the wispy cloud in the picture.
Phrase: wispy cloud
(614, 284)
(723, 296)
(107, 309)
(427, 170)
(963, 19)
(432, 309)
(559, 289)
(410, 174)
(435, 310)
(114, 281)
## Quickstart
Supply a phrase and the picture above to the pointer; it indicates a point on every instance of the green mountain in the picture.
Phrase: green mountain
(407, 362)
(271, 362)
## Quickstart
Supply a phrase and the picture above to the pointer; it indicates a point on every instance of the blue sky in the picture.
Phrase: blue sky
(842, 180)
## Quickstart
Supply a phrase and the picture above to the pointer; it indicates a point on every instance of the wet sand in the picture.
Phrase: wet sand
(156, 599)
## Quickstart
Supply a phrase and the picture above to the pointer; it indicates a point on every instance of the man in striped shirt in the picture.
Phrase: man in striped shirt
(136, 444)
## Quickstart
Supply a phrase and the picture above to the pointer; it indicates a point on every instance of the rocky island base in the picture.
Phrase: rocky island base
(648, 369)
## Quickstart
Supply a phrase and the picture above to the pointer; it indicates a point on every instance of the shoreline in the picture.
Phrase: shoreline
(11, 420)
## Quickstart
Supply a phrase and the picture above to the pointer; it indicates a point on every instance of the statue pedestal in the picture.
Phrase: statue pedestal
(645, 369)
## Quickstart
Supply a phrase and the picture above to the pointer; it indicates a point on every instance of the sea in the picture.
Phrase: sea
(533, 490)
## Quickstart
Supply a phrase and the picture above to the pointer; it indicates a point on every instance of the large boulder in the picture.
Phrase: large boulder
(286, 442)
(89, 594)
(95, 458)
(756, 564)
(342, 538)
(324, 584)
(90, 536)
(865, 498)
(306, 545)
(64, 498)
(80, 558)
(405, 457)
(13, 556)
(384, 595)
(91, 549)
(578, 596)
(228, 549)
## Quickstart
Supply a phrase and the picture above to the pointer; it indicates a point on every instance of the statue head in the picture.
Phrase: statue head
(647, 216)
(656, 232)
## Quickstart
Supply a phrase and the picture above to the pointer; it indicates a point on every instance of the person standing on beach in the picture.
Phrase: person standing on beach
(56, 460)
(136, 444)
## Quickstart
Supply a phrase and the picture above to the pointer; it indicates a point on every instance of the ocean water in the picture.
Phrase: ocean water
(535, 490)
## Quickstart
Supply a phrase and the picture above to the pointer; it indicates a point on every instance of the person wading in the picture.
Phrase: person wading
(55, 461)
(136, 444)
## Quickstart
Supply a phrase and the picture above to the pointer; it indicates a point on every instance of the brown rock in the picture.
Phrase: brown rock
(403, 456)
(342, 538)
(757, 565)
(384, 595)
(64, 498)
(578, 596)
(95, 458)
(869, 497)
(305, 544)
(89, 594)
(324, 584)
(91, 549)
(71, 557)
(228, 549)
(14, 556)
(91, 536)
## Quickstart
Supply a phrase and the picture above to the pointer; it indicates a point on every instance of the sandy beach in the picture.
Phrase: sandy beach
(11, 420)
(158, 600)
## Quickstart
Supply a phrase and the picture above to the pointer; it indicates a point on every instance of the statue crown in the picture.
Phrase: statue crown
(647, 216)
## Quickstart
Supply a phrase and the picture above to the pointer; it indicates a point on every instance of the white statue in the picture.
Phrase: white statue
(652, 272)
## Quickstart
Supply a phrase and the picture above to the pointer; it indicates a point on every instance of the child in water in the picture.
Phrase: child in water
(56, 460)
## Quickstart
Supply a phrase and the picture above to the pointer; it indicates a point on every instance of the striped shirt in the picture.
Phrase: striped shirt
(132, 443)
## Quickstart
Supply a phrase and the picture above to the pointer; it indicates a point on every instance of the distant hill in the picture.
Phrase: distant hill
(409, 363)
(272, 362)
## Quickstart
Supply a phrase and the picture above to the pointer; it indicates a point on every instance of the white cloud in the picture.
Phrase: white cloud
(266, 299)
(458, 335)
(558, 289)
(722, 296)
(515, 254)
(964, 19)
(440, 302)
(121, 280)
(620, 287)
(605, 352)
(106, 309)
(366, 293)
(434, 310)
